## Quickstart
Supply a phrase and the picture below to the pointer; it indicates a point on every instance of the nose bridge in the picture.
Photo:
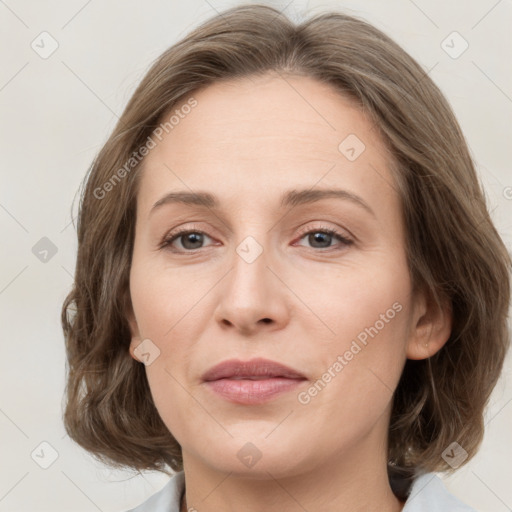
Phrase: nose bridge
(251, 253)
(251, 293)
(250, 275)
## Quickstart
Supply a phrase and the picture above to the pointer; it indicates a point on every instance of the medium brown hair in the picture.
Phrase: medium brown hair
(454, 252)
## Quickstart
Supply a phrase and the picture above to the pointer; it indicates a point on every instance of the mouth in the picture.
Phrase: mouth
(252, 382)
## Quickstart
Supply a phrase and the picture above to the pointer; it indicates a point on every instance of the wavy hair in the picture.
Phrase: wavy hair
(454, 251)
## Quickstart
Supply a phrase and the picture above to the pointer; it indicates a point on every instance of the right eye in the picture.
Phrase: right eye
(190, 239)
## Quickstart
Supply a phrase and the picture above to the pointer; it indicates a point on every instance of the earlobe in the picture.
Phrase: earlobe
(134, 343)
(134, 331)
(431, 328)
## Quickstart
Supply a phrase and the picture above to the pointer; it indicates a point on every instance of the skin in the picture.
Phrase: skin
(248, 141)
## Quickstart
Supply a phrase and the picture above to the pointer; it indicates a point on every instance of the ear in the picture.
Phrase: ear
(431, 326)
(134, 330)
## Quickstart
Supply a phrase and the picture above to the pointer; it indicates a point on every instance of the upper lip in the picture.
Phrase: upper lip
(253, 368)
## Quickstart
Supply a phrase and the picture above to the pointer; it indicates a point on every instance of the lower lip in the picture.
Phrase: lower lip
(247, 391)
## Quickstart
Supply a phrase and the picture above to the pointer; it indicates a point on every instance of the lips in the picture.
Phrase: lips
(255, 369)
(253, 382)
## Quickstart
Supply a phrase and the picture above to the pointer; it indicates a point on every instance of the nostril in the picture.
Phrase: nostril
(266, 320)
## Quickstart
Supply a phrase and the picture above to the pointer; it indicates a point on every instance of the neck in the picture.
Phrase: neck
(355, 480)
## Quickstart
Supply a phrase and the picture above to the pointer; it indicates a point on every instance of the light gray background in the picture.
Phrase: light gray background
(57, 112)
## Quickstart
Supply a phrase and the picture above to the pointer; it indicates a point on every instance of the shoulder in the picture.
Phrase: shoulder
(428, 493)
(166, 499)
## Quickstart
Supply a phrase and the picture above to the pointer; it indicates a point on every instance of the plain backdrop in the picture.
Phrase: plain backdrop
(56, 113)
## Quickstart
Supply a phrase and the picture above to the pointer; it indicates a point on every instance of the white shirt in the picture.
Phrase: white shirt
(428, 494)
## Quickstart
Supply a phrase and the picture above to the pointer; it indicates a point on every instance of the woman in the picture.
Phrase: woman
(288, 287)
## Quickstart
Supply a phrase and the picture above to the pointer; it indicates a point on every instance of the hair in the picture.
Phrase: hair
(454, 252)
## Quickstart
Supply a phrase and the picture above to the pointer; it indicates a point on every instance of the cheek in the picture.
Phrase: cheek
(162, 297)
(369, 313)
(165, 306)
(364, 302)
(358, 374)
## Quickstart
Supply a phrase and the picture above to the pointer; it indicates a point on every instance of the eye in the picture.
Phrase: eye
(191, 239)
(320, 238)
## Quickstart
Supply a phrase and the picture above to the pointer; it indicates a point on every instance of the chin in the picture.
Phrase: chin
(257, 458)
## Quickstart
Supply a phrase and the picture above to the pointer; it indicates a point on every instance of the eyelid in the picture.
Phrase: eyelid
(342, 233)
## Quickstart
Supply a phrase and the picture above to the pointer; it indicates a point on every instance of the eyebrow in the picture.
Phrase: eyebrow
(290, 198)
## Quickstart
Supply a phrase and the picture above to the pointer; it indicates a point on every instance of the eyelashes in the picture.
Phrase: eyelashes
(183, 235)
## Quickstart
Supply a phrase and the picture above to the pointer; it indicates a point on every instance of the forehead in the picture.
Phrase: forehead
(259, 134)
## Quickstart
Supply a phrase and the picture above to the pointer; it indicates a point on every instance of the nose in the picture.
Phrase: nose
(253, 297)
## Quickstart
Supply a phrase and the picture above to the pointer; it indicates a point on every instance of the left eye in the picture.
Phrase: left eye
(192, 239)
(324, 236)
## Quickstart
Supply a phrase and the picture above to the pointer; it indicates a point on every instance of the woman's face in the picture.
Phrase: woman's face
(261, 278)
